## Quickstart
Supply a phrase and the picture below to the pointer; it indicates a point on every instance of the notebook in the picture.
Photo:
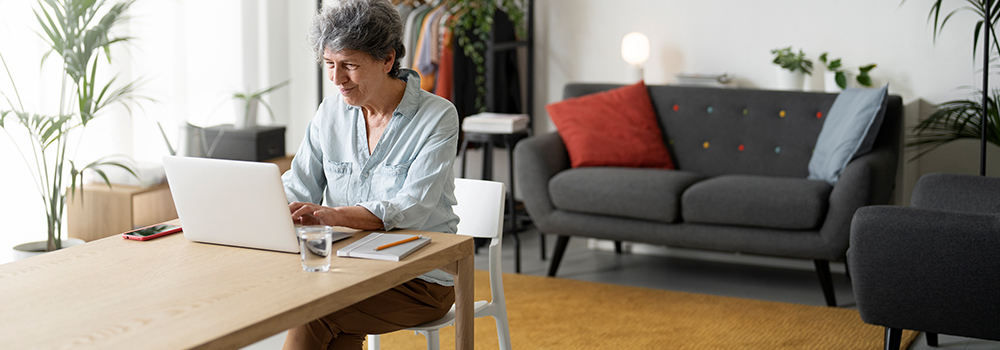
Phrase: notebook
(365, 247)
(235, 203)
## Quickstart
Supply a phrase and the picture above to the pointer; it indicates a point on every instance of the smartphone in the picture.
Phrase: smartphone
(150, 232)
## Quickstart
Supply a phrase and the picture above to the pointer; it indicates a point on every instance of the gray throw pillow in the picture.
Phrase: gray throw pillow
(848, 131)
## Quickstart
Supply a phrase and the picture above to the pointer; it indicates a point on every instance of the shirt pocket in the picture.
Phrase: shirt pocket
(388, 180)
(338, 180)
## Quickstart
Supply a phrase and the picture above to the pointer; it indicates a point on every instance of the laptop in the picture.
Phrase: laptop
(234, 203)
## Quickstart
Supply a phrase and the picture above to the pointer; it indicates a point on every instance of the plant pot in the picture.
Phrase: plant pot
(788, 80)
(30, 249)
(246, 113)
(830, 81)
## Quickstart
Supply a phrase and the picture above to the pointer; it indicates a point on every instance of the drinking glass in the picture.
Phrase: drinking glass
(314, 245)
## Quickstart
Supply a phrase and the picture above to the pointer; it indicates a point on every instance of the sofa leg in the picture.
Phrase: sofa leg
(618, 247)
(892, 338)
(932, 339)
(826, 281)
(557, 254)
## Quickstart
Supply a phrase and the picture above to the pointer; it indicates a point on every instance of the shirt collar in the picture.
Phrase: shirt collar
(411, 96)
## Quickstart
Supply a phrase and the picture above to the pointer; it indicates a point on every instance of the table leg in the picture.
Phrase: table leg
(464, 294)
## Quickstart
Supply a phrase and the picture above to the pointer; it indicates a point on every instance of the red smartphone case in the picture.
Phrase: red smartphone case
(127, 235)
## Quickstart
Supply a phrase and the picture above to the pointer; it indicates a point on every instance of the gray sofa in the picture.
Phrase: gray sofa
(753, 199)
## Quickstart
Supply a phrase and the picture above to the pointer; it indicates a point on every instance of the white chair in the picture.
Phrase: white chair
(480, 207)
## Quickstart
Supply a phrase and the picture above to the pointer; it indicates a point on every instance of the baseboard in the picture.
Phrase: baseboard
(650, 249)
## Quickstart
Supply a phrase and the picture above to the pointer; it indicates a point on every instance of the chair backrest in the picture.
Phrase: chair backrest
(480, 207)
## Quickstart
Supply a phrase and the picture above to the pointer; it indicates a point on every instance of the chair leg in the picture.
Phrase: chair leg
(618, 247)
(433, 340)
(932, 339)
(465, 147)
(892, 338)
(541, 239)
(826, 281)
(557, 254)
(373, 342)
(517, 253)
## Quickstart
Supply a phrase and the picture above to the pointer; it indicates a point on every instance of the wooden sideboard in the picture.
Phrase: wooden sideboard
(104, 211)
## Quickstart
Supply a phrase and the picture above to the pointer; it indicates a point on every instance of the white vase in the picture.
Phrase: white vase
(246, 116)
(788, 80)
(30, 249)
(830, 81)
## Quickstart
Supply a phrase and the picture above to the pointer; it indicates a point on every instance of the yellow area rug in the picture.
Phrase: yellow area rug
(554, 313)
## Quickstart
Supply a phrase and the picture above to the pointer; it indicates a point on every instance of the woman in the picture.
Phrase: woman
(378, 156)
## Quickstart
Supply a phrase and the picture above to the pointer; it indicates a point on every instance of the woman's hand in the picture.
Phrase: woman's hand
(356, 217)
(311, 214)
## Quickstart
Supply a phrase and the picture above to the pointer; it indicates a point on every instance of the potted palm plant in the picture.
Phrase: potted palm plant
(79, 32)
(964, 118)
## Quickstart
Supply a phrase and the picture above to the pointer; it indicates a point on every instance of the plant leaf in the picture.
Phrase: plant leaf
(864, 79)
(841, 80)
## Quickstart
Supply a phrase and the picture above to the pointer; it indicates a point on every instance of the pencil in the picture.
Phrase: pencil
(393, 244)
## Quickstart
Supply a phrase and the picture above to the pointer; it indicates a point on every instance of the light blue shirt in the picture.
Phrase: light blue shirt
(407, 181)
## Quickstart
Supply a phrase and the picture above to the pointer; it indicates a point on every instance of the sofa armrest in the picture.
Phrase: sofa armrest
(868, 179)
(927, 270)
(968, 193)
(536, 160)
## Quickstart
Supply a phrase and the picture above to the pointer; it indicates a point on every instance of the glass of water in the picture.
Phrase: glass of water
(314, 245)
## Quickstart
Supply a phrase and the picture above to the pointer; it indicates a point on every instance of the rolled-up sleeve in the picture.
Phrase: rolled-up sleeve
(305, 180)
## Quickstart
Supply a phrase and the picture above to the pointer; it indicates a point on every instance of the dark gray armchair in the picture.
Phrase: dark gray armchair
(934, 266)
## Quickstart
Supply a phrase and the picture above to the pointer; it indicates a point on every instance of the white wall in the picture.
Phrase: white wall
(193, 65)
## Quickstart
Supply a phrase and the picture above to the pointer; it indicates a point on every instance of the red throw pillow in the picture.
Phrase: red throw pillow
(611, 128)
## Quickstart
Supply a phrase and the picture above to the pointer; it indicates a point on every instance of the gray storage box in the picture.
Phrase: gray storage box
(256, 144)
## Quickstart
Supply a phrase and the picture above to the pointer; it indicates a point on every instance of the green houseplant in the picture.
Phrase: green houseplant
(74, 32)
(792, 68)
(961, 119)
(840, 72)
(246, 102)
(476, 17)
(793, 62)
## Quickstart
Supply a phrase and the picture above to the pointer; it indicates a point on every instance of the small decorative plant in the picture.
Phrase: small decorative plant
(248, 100)
(840, 73)
(792, 61)
(73, 31)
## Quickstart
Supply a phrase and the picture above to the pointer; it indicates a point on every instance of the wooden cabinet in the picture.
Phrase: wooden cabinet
(101, 211)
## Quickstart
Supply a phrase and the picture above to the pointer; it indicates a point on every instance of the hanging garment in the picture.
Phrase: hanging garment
(411, 32)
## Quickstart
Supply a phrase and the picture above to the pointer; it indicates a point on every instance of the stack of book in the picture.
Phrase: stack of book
(495, 123)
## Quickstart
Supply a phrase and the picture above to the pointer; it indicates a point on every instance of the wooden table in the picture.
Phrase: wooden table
(170, 293)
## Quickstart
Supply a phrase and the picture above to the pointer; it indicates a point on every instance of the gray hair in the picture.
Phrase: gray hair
(371, 26)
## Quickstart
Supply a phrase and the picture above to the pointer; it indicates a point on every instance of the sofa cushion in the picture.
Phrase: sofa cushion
(849, 131)
(757, 201)
(611, 128)
(647, 194)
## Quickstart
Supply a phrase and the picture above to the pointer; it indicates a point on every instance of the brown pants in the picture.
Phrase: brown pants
(407, 305)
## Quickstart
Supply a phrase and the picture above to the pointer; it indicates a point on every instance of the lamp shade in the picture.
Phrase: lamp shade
(635, 48)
